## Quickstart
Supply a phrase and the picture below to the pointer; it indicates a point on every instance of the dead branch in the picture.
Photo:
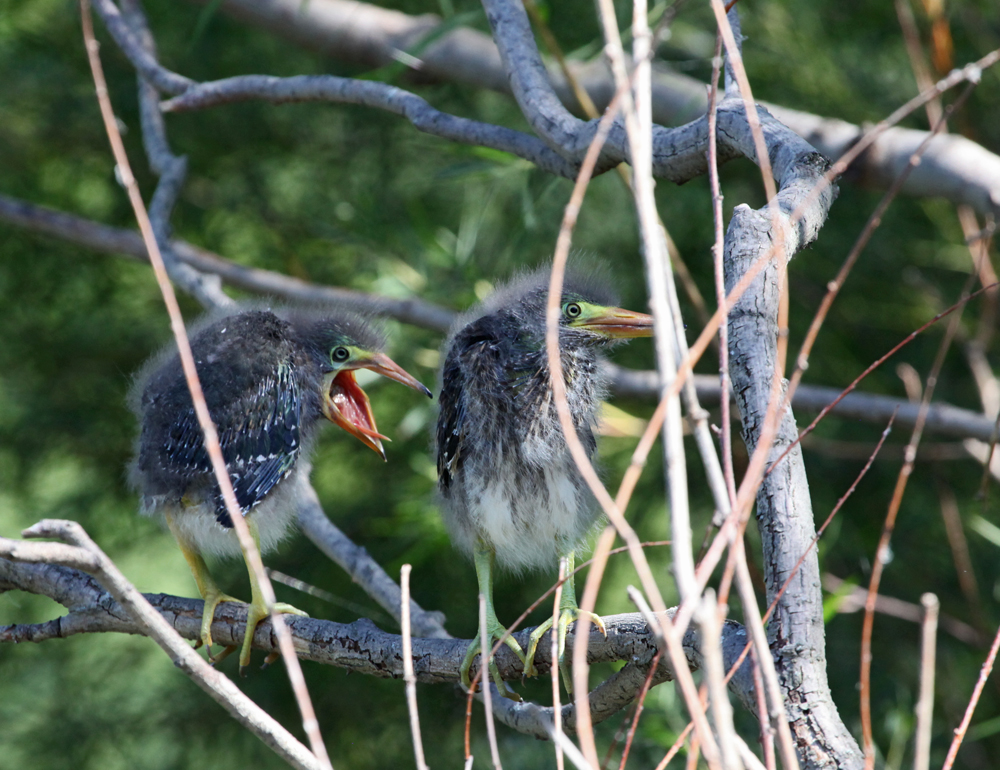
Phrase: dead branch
(954, 167)
(358, 646)
(784, 509)
(123, 609)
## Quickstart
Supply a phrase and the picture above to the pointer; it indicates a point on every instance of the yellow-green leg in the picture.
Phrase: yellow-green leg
(257, 610)
(569, 611)
(207, 587)
(483, 557)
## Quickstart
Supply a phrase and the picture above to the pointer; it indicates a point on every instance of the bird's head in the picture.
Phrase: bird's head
(601, 324)
(589, 316)
(341, 346)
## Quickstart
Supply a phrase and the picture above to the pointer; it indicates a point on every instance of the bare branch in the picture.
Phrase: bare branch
(363, 569)
(408, 676)
(172, 171)
(121, 241)
(784, 509)
(954, 167)
(358, 646)
(925, 703)
(132, 46)
(370, 93)
(123, 609)
(707, 617)
(942, 418)
(853, 600)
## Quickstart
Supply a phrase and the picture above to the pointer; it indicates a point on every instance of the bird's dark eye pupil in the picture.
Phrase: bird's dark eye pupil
(340, 354)
(573, 310)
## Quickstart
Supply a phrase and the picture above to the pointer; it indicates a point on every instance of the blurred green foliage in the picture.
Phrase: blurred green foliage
(354, 197)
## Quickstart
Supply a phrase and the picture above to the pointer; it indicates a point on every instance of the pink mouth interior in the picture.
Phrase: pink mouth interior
(352, 403)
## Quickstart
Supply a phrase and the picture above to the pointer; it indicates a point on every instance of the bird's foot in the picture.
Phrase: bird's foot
(568, 614)
(256, 612)
(212, 600)
(494, 632)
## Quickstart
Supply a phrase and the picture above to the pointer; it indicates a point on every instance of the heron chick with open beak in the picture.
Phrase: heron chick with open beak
(269, 377)
(511, 491)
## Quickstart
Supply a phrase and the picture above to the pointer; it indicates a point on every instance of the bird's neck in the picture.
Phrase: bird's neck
(584, 383)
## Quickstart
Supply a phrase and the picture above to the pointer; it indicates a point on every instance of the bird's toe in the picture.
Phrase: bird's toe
(256, 614)
(475, 649)
(212, 601)
(536, 636)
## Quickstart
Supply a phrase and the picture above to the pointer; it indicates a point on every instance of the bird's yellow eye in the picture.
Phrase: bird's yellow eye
(572, 310)
(339, 354)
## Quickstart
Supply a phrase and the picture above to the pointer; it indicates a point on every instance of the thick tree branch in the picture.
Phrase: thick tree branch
(784, 508)
(370, 93)
(120, 608)
(678, 154)
(954, 167)
(358, 646)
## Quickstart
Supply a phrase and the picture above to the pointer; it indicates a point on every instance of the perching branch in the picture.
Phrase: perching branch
(53, 569)
(358, 646)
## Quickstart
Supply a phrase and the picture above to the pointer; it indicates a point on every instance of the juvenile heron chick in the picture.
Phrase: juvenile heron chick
(269, 377)
(511, 490)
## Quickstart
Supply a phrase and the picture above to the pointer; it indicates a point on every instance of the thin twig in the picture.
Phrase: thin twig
(408, 676)
(853, 598)
(554, 639)
(726, 437)
(765, 719)
(766, 728)
(676, 747)
(211, 439)
(747, 755)
(584, 728)
(834, 286)
(638, 709)
(755, 626)
(882, 554)
(707, 618)
(925, 703)
(922, 412)
(960, 731)
(964, 568)
(640, 132)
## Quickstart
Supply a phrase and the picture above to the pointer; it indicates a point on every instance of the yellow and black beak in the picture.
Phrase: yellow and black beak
(617, 323)
(346, 405)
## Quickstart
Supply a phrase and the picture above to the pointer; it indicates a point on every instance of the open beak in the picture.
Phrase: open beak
(618, 323)
(346, 405)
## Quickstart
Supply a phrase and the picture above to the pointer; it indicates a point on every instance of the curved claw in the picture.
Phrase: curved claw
(475, 649)
(567, 615)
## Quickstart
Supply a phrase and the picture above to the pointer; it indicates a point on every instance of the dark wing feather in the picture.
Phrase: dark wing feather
(450, 421)
(260, 443)
(472, 351)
